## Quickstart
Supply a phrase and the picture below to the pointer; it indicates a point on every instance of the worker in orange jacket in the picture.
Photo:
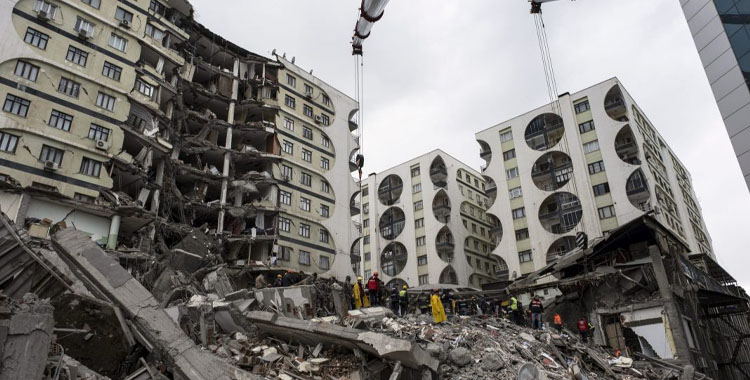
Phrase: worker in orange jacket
(558, 323)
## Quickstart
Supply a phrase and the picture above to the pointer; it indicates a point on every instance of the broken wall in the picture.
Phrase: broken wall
(292, 302)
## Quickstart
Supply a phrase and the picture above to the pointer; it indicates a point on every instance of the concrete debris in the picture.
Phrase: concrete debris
(460, 356)
(25, 337)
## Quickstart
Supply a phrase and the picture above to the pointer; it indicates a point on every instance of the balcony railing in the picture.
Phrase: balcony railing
(614, 104)
(636, 190)
(485, 153)
(439, 170)
(496, 230)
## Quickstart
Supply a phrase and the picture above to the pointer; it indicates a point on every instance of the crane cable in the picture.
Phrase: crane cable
(359, 67)
(549, 71)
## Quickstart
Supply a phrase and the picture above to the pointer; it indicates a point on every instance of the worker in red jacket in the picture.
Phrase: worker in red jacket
(373, 287)
(583, 329)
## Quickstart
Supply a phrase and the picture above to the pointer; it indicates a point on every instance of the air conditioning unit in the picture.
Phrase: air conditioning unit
(318, 119)
(44, 15)
(51, 165)
(84, 33)
(125, 23)
(102, 145)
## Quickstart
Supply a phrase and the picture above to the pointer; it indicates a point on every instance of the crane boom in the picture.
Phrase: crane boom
(370, 12)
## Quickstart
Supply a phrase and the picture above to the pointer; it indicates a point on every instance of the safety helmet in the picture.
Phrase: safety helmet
(359, 278)
(404, 287)
(278, 275)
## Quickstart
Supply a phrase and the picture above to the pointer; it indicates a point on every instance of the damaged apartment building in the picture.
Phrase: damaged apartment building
(134, 123)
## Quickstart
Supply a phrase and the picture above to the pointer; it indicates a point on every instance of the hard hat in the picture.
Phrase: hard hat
(278, 275)
(404, 286)
(375, 274)
(359, 278)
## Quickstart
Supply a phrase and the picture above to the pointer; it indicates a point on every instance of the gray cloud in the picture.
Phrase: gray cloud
(438, 71)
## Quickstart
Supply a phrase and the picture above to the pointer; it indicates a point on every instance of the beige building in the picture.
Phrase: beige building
(136, 124)
(590, 163)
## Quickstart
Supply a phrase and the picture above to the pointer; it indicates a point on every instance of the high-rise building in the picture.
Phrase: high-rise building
(588, 163)
(424, 222)
(721, 31)
(139, 126)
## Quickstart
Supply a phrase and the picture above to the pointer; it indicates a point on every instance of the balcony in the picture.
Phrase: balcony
(485, 155)
(390, 230)
(637, 189)
(354, 208)
(353, 126)
(445, 245)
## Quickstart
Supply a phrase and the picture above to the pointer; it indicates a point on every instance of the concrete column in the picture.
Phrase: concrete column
(228, 145)
(159, 181)
(114, 230)
(670, 306)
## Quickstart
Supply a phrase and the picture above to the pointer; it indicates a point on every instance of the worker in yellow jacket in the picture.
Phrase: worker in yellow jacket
(360, 298)
(438, 312)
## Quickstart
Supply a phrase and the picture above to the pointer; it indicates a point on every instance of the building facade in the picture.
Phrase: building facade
(721, 31)
(138, 125)
(588, 163)
(424, 222)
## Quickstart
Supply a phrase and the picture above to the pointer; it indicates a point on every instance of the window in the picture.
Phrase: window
(419, 223)
(366, 223)
(511, 173)
(525, 256)
(325, 164)
(97, 132)
(308, 89)
(519, 213)
(515, 192)
(601, 189)
(105, 101)
(325, 187)
(285, 197)
(60, 120)
(325, 141)
(323, 236)
(325, 119)
(285, 254)
(93, 3)
(592, 146)
(69, 87)
(36, 38)
(304, 230)
(304, 257)
(84, 198)
(144, 88)
(365, 241)
(323, 262)
(157, 8)
(422, 260)
(416, 188)
(326, 100)
(154, 32)
(44, 6)
(596, 167)
(306, 179)
(418, 205)
(288, 123)
(415, 172)
(421, 241)
(306, 155)
(307, 133)
(118, 42)
(112, 71)
(285, 224)
(136, 122)
(366, 208)
(587, 126)
(508, 155)
(287, 147)
(522, 234)
(582, 106)
(291, 80)
(84, 27)
(606, 212)
(286, 172)
(424, 279)
(307, 110)
(290, 102)
(16, 105)
(27, 70)
(325, 211)
(474, 227)
(51, 154)
(8, 142)
(123, 15)
(304, 204)
(506, 136)
(90, 167)
(365, 192)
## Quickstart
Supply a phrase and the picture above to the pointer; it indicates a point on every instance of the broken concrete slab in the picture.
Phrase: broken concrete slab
(291, 301)
(25, 339)
(154, 326)
(312, 333)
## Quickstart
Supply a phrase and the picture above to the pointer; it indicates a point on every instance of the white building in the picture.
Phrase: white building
(588, 163)
(424, 222)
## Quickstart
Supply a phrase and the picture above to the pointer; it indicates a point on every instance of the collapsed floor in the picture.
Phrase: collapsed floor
(190, 317)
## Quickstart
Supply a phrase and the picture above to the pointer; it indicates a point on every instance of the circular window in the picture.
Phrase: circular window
(544, 131)
(444, 244)
(390, 189)
(637, 190)
(552, 171)
(393, 259)
(560, 212)
(391, 223)
(441, 207)
(560, 247)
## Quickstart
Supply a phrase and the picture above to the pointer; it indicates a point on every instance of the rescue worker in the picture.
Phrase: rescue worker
(348, 292)
(583, 329)
(394, 300)
(558, 323)
(260, 281)
(360, 298)
(288, 279)
(277, 283)
(536, 308)
(403, 301)
(373, 287)
(438, 312)
(514, 312)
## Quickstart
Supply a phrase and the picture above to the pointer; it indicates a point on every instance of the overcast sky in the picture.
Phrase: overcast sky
(436, 72)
